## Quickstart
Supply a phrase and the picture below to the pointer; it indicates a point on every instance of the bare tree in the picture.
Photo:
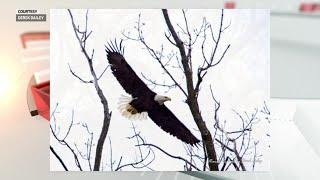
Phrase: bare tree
(237, 148)
(220, 149)
(183, 40)
(185, 48)
(82, 37)
(72, 148)
(142, 160)
(235, 145)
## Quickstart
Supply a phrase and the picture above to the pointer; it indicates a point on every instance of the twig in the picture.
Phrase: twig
(157, 55)
(65, 143)
(75, 75)
(172, 156)
(59, 158)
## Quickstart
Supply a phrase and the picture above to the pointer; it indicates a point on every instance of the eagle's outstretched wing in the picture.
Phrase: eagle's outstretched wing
(133, 85)
(165, 119)
(128, 79)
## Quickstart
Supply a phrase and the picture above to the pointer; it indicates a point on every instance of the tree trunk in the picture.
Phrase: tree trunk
(205, 134)
(192, 98)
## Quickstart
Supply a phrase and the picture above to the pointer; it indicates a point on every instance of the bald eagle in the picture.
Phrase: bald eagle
(143, 101)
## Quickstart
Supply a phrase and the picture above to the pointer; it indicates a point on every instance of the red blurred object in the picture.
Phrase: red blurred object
(229, 5)
(41, 95)
(317, 7)
(34, 36)
(309, 7)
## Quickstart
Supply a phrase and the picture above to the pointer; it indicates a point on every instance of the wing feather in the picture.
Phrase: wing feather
(128, 79)
(168, 122)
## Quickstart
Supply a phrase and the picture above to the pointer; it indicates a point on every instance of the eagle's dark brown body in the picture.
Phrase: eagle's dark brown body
(144, 103)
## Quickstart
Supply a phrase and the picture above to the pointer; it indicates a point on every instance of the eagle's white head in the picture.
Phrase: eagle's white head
(161, 99)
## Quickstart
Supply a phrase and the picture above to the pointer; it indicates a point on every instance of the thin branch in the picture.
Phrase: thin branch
(103, 72)
(59, 158)
(239, 158)
(254, 155)
(202, 71)
(75, 75)
(157, 55)
(65, 143)
(111, 161)
(143, 158)
(172, 156)
(155, 83)
(224, 146)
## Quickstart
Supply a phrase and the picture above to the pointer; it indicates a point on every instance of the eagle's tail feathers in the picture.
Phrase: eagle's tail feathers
(129, 111)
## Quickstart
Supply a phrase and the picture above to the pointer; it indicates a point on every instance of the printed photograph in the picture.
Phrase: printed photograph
(159, 90)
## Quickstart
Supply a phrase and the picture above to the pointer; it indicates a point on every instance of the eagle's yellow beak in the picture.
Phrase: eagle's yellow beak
(168, 99)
